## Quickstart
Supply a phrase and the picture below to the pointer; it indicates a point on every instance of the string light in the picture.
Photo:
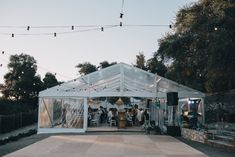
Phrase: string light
(121, 15)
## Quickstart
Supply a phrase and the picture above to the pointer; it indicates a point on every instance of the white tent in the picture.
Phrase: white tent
(117, 80)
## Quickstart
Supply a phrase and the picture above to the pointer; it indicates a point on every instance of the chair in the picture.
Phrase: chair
(130, 122)
(113, 121)
(96, 120)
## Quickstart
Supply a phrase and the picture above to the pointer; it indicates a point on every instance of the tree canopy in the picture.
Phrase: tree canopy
(21, 82)
(106, 64)
(86, 68)
(140, 61)
(201, 50)
(49, 80)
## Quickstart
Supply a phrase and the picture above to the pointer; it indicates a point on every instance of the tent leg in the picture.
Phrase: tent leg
(85, 114)
(203, 111)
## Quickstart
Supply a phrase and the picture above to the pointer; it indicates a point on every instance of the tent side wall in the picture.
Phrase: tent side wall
(62, 115)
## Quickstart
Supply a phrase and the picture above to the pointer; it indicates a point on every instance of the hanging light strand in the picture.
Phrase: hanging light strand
(62, 32)
(121, 14)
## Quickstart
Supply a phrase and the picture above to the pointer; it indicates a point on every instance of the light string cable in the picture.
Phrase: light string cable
(55, 33)
(88, 28)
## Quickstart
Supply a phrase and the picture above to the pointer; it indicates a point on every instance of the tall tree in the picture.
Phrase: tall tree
(49, 80)
(202, 48)
(21, 82)
(86, 68)
(140, 61)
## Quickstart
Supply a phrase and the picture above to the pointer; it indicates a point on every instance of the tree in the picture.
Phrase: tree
(49, 80)
(106, 64)
(156, 65)
(140, 61)
(201, 49)
(86, 68)
(21, 82)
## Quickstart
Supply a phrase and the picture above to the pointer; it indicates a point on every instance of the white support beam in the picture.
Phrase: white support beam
(85, 113)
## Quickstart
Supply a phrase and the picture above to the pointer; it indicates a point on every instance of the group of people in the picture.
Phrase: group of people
(101, 113)
(137, 116)
(134, 116)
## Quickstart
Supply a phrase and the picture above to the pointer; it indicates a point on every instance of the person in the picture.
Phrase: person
(63, 117)
(142, 116)
(102, 114)
(129, 117)
(110, 115)
(138, 116)
(146, 118)
(89, 115)
(134, 114)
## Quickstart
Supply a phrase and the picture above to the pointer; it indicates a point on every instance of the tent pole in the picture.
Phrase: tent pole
(203, 111)
(85, 114)
(39, 112)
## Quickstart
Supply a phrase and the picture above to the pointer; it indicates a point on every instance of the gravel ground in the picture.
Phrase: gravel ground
(209, 150)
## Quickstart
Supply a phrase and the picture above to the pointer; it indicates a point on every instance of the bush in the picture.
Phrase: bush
(16, 137)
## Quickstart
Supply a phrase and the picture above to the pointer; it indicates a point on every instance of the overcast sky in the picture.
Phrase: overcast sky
(62, 53)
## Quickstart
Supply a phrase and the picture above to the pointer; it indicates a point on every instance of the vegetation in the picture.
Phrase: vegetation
(201, 51)
(49, 80)
(105, 64)
(86, 68)
(22, 85)
(21, 82)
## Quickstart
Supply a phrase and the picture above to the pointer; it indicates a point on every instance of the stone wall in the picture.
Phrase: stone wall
(194, 135)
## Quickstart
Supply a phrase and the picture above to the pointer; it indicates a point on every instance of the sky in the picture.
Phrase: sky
(62, 53)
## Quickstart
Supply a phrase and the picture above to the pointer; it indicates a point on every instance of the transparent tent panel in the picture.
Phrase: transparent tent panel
(138, 77)
(61, 113)
(104, 74)
(165, 86)
(116, 79)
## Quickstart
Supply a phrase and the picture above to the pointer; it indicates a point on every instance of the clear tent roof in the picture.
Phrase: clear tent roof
(120, 80)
